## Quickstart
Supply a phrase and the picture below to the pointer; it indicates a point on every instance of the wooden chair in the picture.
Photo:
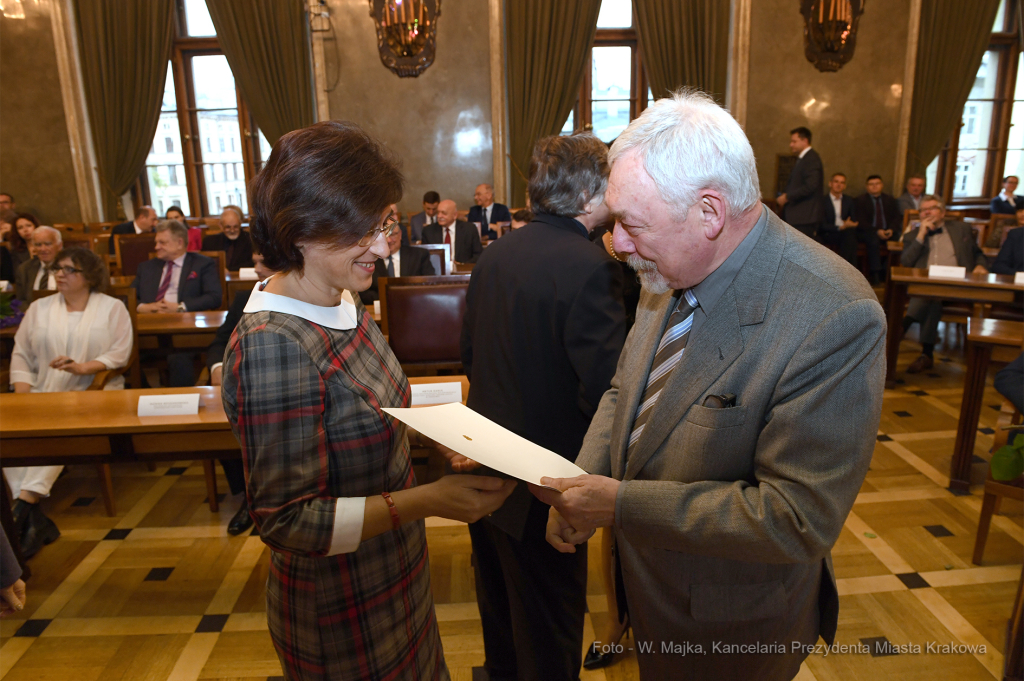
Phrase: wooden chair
(221, 258)
(422, 319)
(440, 257)
(998, 228)
(462, 215)
(132, 250)
(463, 267)
(101, 227)
(70, 227)
(100, 380)
(997, 490)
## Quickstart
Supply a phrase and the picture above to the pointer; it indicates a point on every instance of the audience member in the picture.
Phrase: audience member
(63, 341)
(428, 216)
(801, 202)
(233, 240)
(878, 219)
(6, 202)
(402, 261)
(538, 364)
(195, 235)
(936, 242)
(1011, 255)
(233, 469)
(911, 197)
(487, 212)
(37, 273)
(21, 236)
(7, 218)
(177, 281)
(1009, 383)
(1007, 202)
(716, 457)
(12, 587)
(7, 270)
(521, 218)
(144, 222)
(465, 241)
(838, 229)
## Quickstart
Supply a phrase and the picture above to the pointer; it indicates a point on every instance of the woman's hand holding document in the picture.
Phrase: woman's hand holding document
(484, 442)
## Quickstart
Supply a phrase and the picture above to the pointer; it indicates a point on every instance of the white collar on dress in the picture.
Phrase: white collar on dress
(342, 316)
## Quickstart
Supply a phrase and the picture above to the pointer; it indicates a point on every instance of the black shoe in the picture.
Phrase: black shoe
(597, 660)
(20, 510)
(241, 521)
(39, 531)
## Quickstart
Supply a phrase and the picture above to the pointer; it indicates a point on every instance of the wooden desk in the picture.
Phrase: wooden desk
(906, 281)
(179, 329)
(234, 283)
(983, 336)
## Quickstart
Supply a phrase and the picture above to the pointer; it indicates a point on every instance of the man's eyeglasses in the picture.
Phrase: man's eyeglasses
(68, 270)
(389, 227)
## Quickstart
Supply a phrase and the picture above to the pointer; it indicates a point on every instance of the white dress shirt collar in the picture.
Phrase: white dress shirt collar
(342, 317)
(1009, 198)
(804, 152)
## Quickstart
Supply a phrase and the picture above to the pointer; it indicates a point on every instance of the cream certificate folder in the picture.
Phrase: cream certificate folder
(461, 429)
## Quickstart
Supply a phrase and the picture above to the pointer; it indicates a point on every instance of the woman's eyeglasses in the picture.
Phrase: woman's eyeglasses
(67, 270)
(389, 227)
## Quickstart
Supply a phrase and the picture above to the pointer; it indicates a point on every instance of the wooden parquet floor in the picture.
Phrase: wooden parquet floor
(161, 592)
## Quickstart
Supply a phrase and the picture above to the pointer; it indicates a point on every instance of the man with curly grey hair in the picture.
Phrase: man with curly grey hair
(741, 420)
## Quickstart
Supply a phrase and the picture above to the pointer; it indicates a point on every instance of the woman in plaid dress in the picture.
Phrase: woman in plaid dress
(328, 476)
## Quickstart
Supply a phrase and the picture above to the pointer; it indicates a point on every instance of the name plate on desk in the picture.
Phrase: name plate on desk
(1018, 278)
(186, 404)
(247, 273)
(947, 272)
(436, 393)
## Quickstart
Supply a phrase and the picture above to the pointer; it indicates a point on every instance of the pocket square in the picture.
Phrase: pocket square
(192, 275)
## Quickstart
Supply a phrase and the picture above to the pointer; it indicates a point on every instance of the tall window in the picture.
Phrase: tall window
(200, 105)
(989, 143)
(614, 89)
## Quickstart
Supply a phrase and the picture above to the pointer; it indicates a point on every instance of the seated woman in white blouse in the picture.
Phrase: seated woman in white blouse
(62, 342)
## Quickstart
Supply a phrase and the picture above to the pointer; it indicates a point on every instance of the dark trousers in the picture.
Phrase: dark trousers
(848, 240)
(235, 473)
(532, 601)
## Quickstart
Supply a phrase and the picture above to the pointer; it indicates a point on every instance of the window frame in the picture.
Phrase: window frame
(1004, 42)
(184, 49)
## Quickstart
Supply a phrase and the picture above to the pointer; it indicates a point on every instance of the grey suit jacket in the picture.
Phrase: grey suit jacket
(726, 517)
(25, 278)
(915, 253)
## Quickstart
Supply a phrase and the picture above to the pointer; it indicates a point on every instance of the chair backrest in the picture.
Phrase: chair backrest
(77, 240)
(132, 250)
(440, 256)
(463, 267)
(998, 227)
(127, 295)
(463, 214)
(101, 227)
(422, 318)
(70, 227)
(908, 217)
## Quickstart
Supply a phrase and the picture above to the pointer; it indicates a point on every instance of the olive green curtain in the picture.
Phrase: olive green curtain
(125, 46)
(265, 45)
(684, 43)
(951, 42)
(548, 42)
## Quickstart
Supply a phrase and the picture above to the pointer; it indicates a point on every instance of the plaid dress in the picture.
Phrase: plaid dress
(304, 401)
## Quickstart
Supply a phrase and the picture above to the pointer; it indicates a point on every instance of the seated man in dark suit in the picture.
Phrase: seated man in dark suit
(144, 222)
(427, 216)
(801, 202)
(936, 242)
(838, 229)
(235, 242)
(463, 237)
(486, 211)
(1011, 256)
(1007, 202)
(38, 273)
(177, 281)
(233, 470)
(878, 219)
(404, 261)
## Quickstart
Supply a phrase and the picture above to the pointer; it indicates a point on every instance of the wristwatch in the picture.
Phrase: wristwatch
(181, 307)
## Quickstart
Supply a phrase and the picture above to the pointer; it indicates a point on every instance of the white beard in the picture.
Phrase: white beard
(650, 277)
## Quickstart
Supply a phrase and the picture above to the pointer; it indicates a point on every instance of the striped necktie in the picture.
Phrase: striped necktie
(670, 351)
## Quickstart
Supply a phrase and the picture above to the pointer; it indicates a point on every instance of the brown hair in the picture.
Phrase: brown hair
(17, 243)
(567, 172)
(175, 227)
(93, 268)
(327, 184)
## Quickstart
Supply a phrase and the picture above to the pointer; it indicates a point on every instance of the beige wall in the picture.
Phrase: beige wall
(35, 155)
(438, 123)
(856, 111)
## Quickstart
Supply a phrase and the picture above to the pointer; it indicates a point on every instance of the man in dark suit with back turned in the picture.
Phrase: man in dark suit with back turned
(233, 240)
(801, 203)
(487, 212)
(463, 237)
(742, 417)
(838, 229)
(403, 261)
(543, 329)
(143, 223)
(878, 219)
(177, 281)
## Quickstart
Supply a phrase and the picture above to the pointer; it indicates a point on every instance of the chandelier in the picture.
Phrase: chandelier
(830, 31)
(406, 34)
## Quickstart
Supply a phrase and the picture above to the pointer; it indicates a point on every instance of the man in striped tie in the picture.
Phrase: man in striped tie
(742, 416)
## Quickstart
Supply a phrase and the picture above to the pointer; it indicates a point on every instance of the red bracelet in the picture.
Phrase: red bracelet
(395, 521)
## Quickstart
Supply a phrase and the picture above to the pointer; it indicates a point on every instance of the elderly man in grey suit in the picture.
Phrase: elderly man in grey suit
(936, 242)
(742, 416)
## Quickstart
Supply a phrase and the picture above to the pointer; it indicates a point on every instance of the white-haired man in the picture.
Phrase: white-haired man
(742, 416)
(38, 272)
